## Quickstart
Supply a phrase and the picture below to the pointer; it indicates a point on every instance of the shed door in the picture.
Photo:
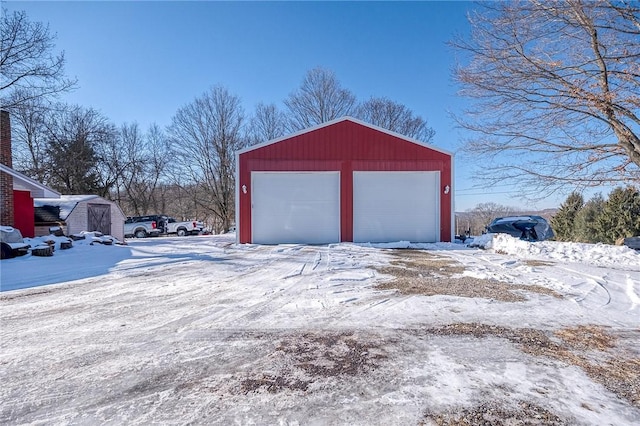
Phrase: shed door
(295, 207)
(396, 206)
(99, 218)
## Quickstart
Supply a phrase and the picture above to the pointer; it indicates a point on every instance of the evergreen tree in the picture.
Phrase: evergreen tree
(76, 136)
(621, 215)
(563, 221)
(585, 224)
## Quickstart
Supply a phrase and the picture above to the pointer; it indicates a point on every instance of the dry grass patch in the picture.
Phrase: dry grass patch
(533, 262)
(616, 371)
(496, 413)
(332, 354)
(423, 273)
(420, 259)
(273, 384)
(587, 337)
(309, 357)
(619, 375)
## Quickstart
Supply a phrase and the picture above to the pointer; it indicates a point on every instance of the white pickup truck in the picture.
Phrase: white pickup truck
(169, 225)
(142, 226)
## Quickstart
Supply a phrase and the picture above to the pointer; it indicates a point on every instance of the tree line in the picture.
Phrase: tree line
(596, 220)
(552, 91)
(186, 169)
(599, 220)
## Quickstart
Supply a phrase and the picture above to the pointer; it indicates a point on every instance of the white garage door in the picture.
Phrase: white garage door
(396, 206)
(295, 207)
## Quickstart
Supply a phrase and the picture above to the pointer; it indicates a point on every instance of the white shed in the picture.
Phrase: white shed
(77, 213)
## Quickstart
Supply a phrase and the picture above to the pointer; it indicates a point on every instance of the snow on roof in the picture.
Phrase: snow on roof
(25, 183)
(66, 203)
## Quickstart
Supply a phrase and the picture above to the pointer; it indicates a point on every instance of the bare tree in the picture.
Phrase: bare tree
(267, 123)
(28, 136)
(555, 85)
(205, 135)
(112, 162)
(131, 147)
(142, 185)
(156, 165)
(30, 69)
(319, 99)
(396, 117)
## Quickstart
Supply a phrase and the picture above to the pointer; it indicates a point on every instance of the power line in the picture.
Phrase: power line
(487, 193)
(480, 188)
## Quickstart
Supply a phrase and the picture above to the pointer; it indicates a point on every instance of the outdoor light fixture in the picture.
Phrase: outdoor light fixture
(244, 189)
(446, 189)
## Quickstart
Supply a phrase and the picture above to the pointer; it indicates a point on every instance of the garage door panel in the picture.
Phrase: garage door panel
(295, 207)
(395, 206)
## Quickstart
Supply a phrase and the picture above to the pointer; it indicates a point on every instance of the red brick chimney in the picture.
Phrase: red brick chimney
(6, 180)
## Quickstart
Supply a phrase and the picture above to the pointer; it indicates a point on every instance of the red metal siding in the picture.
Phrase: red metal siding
(23, 213)
(345, 146)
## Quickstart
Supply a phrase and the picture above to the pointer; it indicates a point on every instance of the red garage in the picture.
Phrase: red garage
(344, 180)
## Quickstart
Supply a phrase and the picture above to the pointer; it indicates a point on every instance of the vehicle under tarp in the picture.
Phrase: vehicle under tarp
(530, 228)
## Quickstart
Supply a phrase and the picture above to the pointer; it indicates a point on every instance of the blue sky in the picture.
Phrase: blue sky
(141, 61)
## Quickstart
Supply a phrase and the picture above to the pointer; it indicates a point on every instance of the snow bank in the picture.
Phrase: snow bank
(85, 238)
(484, 241)
(594, 254)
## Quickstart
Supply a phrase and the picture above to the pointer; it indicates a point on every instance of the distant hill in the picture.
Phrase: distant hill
(546, 213)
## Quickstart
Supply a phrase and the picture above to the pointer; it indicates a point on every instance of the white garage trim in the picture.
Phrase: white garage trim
(295, 207)
(396, 206)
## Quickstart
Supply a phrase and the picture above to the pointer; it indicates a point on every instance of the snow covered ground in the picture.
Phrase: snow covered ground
(201, 330)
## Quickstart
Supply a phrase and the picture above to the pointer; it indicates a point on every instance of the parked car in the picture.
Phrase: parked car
(170, 225)
(142, 226)
(11, 243)
(530, 228)
(155, 224)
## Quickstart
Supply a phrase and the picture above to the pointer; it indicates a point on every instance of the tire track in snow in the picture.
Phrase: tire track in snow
(495, 266)
(631, 293)
(596, 281)
(288, 278)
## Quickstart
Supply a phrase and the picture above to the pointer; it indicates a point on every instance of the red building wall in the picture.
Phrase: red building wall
(23, 213)
(344, 146)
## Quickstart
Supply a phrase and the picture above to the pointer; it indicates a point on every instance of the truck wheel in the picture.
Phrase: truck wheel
(182, 232)
(141, 233)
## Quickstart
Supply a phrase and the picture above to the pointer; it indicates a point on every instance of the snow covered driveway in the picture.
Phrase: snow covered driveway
(200, 330)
